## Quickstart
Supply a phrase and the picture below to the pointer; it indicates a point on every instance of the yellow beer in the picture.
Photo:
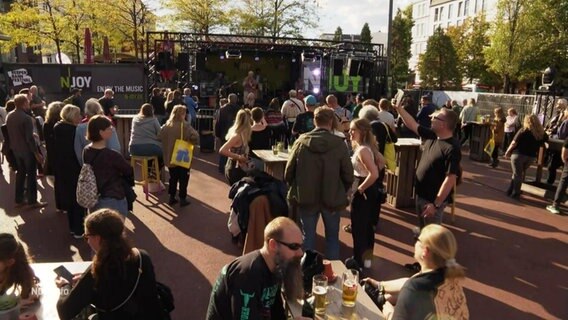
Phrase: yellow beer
(349, 292)
(319, 293)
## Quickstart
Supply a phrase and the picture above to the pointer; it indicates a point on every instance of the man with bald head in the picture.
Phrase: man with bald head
(250, 286)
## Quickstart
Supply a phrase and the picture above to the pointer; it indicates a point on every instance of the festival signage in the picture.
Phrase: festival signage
(126, 80)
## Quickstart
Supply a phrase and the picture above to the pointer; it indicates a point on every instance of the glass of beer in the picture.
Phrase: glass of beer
(319, 291)
(350, 280)
(275, 150)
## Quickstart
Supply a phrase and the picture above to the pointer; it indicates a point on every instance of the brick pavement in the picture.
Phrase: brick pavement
(515, 252)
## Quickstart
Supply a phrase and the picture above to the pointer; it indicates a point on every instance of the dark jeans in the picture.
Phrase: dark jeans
(364, 215)
(561, 189)
(508, 138)
(26, 177)
(495, 156)
(222, 159)
(519, 164)
(466, 133)
(555, 163)
(181, 175)
(75, 216)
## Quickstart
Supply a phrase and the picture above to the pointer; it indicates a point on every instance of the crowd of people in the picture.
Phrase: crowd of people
(336, 161)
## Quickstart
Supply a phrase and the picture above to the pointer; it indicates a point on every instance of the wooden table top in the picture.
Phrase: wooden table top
(364, 308)
(269, 156)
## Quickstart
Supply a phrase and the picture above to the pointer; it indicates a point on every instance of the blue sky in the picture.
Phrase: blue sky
(349, 15)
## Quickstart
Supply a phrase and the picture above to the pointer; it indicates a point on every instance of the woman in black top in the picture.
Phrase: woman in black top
(523, 151)
(114, 283)
(260, 137)
(433, 293)
(67, 168)
(52, 116)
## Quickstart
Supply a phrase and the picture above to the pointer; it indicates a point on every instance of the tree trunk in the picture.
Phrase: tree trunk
(506, 84)
(135, 33)
(58, 45)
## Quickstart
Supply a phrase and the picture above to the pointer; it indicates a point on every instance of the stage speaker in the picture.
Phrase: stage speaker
(353, 67)
(164, 61)
(365, 69)
(183, 61)
(201, 59)
(337, 67)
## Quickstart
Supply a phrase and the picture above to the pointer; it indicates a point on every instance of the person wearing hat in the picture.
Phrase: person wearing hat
(305, 121)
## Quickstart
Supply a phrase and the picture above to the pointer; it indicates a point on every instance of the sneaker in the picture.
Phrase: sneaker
(553, 209)
(37, 204)
(184, 202)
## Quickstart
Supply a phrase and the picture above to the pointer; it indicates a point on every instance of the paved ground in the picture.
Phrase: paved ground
(515, 252)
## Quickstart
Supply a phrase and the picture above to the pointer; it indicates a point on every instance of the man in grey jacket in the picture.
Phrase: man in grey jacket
(319, 172)
(21, 131)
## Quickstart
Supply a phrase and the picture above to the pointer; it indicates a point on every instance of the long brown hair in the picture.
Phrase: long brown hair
(532, 124)
(19, 273)
(367, 137)
(108, 263)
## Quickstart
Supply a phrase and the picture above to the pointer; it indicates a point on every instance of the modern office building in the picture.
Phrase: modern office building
(428, 15)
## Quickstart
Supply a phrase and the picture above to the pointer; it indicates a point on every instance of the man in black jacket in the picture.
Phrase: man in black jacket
(227, 115)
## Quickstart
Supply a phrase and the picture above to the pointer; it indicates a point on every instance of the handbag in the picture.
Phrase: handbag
(390, 153)
(490, 146)
(182, 153)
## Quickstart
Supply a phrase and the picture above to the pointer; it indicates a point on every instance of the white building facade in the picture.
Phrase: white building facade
(428, 15)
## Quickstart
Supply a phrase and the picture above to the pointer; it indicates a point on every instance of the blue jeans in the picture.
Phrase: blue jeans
(26, 175)
(147, 150)
(438, 214)
(119, 205)
(309, 221)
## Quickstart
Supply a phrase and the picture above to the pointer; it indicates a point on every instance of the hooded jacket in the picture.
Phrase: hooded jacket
(145, 130)
(319, 171)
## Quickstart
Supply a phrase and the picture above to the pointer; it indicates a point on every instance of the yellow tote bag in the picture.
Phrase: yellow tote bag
(182, 153)
(390, 153)
(490, 146)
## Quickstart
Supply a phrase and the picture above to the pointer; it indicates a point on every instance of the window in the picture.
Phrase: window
(466, 7)
(460, 9)
(441, 13)
(483, 7)
(450, 9)
(436, 14)
(475, 6)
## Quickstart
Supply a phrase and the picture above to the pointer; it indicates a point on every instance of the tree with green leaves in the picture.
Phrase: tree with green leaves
(200, 16)
(366, 37)
(338, 35)
(275, 18)
(510, 54)
(438, 64)
(400, 47)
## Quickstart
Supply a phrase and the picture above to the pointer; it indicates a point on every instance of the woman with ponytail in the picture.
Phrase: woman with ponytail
(433, 293)
(15, 271)
(120, 283)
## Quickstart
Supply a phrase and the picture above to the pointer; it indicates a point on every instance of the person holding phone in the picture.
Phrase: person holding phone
(120, 283)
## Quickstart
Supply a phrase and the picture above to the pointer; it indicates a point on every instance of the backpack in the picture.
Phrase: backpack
(166, 298)
(87, 192)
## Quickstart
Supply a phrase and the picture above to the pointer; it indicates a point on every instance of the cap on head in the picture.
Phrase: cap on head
(310, 100)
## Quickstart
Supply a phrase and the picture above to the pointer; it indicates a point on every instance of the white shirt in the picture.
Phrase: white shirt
(292, 108)
(387, 118)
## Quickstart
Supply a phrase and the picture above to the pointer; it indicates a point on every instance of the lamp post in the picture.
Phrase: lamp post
(389, 47)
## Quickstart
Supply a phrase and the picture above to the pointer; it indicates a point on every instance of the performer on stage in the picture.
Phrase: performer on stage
(250, 85)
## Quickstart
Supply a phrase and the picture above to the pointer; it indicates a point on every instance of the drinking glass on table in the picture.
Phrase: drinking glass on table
(319, 291)
(350, 280)
(275, 150)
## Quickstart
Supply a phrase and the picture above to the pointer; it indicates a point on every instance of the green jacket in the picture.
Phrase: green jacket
(319, 171)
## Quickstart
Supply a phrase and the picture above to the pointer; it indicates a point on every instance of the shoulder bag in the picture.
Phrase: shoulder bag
(390, 153)
(182, 153)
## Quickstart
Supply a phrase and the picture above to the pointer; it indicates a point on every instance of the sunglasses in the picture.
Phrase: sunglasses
(291, 246)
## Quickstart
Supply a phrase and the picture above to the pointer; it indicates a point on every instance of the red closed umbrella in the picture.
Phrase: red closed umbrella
(88, 45)
(106, 50)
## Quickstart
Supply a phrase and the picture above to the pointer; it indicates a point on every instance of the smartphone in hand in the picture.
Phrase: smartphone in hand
(64, 273)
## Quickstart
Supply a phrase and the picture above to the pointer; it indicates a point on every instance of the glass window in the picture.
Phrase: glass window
(450, 9)
(436, 14)
(460, 9)
(466, 7)
(441, 13)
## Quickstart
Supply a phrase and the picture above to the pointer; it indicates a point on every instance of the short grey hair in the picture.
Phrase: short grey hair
(292, 93)
(93, 107)
(233, 98)
(369, 112)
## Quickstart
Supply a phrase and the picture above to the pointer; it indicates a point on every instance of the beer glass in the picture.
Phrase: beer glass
(350, 280)
(275, 150)
(319, 291)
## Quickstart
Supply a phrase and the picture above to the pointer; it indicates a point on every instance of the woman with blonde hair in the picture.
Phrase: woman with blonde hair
(498, 129)
(66, 168)
(523, 151)
(177, 128)
(52, 116)
(365, 203)
(236, 148)
(435, 291)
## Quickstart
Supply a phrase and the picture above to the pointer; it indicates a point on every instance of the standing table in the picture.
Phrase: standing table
(480, 135)
(364, 307)
(274, 165)
(400, 183)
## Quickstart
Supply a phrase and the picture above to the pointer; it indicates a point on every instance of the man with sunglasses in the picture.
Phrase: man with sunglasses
(439, 165)
(250, 286)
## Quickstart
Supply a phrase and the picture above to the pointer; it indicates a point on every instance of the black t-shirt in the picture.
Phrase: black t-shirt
(439, 158)
(304, 122)
(158, 104)
(246, 289)
(260, 140)
(107, 104)
(416, 298)
(527, 144)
